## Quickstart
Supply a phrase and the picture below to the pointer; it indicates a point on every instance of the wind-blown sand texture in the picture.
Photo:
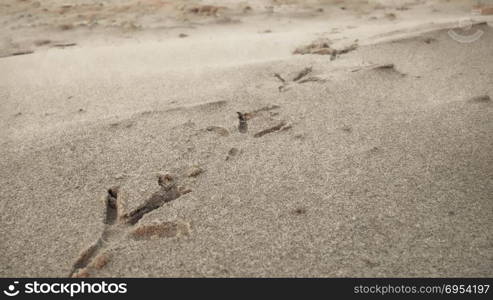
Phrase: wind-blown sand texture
(122, 154)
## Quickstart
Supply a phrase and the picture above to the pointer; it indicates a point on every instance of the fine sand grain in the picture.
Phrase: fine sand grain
(197, 144)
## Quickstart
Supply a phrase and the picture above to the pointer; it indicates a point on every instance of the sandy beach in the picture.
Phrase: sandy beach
(253, 138)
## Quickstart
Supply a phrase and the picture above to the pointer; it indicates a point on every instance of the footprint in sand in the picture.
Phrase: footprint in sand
(244, 117)
(299, 77)
(121, 225)
(219, 130)
(232, 153)
(480, 99)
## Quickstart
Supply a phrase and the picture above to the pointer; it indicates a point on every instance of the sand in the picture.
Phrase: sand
(375, 159)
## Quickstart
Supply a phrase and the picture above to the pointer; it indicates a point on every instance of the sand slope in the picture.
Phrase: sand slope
(374, 171)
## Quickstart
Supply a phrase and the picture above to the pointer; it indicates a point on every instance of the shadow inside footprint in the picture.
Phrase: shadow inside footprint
(168, 192)
(111, 206)
(164, 229)
(480, 99)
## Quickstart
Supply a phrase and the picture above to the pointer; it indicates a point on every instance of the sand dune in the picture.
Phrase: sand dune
(375, 163)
